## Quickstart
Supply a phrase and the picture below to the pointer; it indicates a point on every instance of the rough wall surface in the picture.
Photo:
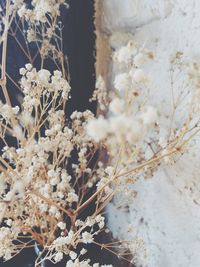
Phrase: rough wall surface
(166, 211)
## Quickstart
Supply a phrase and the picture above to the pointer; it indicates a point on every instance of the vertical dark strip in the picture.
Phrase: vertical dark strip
(79, 45)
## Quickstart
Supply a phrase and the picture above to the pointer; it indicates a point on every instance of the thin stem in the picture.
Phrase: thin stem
(4, 53)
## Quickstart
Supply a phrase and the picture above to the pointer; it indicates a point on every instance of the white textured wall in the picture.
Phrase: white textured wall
(128, 14)
(166, 211)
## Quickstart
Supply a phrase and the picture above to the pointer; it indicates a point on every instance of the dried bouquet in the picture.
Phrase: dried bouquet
(52, 168)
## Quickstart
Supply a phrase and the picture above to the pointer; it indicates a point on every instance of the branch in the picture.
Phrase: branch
(4, 53)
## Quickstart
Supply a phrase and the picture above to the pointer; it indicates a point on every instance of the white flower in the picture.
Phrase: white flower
(83, 251)
(2, 185)
(100, 220)
(122, 81)
(100, 83)
(61, 241)
(62, 225)
(7, 111)
(78, 263)
(18, 132)
(28, 66)
(72, 197)
(53, 210)
(51, 173)
(26, 119)
(44, 76)
(150, 116)
(87, 237)
(22, 71)
(58, 257)
(116, 106)
(110, 170)
(43, 207)
(73, 255)
(125, 53)
(126, 128)
(19, 188)
(139, 59)
(31, 35)
(97, 128)
(15, 110)
(4, 232)
(22, 11)
(70, 264)
(139, 76)
(9, 222)
(54, 181)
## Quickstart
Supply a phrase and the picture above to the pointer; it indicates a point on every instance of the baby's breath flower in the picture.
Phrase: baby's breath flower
(126, 128)
(73, 255)
(116, 106)
(87, 237)
(61, 225)
(97, 128)
(149, 116)
(139, 76)
(125, 53)
(83, 251)
(72, 197)
(139, 59)
(9, 222)
(122, 82)
(58, 257)
(42, 187)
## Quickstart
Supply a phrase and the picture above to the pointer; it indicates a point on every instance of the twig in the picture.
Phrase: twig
(4, 53)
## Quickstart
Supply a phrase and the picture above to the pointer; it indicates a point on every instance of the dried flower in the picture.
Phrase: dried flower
(97, 128)
(122, 82)
(116, 106)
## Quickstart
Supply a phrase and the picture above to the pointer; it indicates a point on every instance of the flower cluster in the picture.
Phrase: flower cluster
(133, 131)
(37, 190)
(40, 10)
(126, 123)
(52, 168)
(100, 94)
(40, 21)
(35, 84)
(84, 263)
